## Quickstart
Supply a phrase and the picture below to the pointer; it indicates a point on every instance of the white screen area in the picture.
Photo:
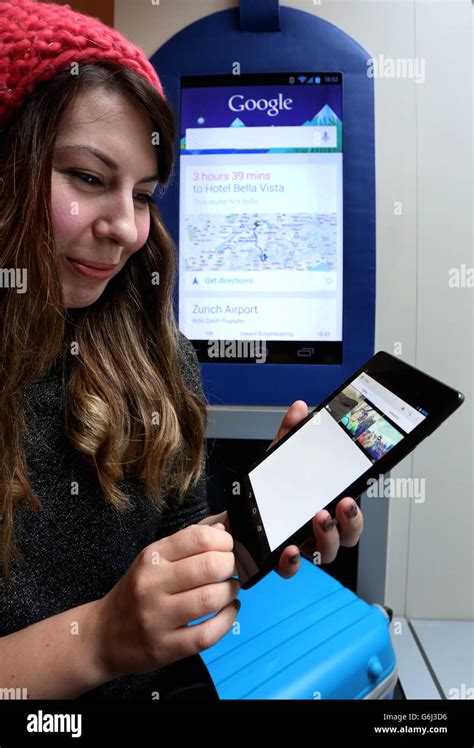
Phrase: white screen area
(261, 213)
(327, 454)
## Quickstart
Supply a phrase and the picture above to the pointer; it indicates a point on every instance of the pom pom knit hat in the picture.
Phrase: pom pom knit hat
(38, 39)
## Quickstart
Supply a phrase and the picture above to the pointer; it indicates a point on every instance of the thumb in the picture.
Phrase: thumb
(295, 413)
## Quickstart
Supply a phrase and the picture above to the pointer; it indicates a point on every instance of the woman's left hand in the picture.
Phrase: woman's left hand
(329, 533)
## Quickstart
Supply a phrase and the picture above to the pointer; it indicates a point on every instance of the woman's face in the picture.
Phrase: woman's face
(101, 214)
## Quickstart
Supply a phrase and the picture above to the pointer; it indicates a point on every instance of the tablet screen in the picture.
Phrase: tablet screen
(342, 441)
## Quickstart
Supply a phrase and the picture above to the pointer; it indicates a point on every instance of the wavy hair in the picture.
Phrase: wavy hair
(127, 408)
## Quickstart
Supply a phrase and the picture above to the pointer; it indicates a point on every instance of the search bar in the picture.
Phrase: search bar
(251, 138)
(398, 410)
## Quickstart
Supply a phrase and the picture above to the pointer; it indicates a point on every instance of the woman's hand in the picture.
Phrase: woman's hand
(141, 624)
(329, 533)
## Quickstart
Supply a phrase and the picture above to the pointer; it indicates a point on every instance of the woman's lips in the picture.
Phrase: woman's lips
(89, 272)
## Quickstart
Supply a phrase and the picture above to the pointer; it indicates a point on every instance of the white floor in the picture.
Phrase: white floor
(435, 658)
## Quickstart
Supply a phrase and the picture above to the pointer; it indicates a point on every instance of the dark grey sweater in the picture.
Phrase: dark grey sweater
(79, 546)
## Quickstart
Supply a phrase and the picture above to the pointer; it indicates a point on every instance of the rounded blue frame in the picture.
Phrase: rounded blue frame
(285, 39)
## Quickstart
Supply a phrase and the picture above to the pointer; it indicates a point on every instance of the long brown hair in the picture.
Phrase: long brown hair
(126, 406)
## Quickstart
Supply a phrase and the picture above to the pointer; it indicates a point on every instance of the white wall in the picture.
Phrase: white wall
(424, 162)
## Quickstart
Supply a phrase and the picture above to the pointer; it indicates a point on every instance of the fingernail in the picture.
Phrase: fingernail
(328, 524)
(294, 559)
(352, 511)
(236, 604)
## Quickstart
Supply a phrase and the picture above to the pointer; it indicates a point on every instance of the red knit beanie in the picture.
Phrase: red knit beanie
(38, 39)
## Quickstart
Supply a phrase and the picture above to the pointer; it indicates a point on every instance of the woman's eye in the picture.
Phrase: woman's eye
(145, 199)
(142, 198)
(85, 177)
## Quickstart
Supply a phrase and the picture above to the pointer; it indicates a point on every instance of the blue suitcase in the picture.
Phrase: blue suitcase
(304, 638)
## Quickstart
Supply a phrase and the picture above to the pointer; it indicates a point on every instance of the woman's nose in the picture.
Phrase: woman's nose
(117, 221)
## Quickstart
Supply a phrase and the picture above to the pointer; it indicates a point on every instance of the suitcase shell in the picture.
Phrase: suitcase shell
(304, 638)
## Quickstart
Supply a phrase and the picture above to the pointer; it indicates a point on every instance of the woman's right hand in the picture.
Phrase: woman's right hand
(140, 625)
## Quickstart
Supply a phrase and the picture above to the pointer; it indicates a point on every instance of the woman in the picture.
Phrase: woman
(108, 549)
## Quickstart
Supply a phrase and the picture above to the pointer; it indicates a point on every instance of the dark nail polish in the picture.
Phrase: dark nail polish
(328, 524)
(294, 559)
(236, 604)
(351, 512)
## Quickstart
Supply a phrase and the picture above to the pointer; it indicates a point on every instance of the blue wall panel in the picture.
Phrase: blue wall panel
(303, 42)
